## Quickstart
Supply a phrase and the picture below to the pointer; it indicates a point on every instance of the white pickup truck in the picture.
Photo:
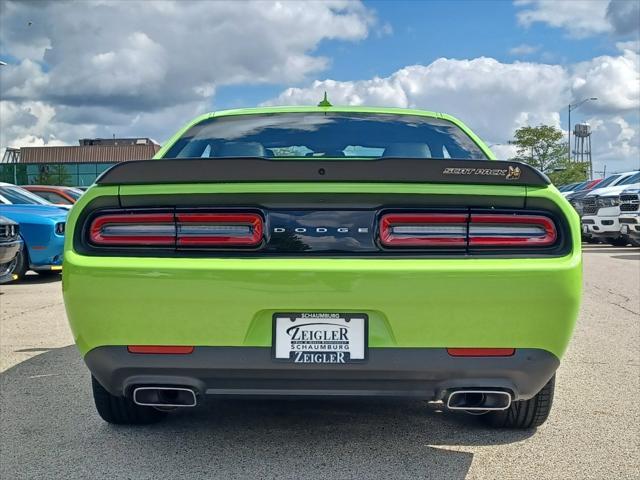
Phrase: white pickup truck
(601, 211)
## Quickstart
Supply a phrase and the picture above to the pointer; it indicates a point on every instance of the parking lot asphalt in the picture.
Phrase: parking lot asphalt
(49, 428)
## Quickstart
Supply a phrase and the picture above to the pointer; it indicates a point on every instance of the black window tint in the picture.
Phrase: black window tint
(607, 181)
(331, 135)
(635, 178)
(53, 197)
(19, 196)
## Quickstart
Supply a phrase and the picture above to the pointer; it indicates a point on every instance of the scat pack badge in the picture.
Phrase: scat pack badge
(510, 173)
(513, 173)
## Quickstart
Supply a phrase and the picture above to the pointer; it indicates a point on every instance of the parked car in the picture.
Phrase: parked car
(576, 198)
(10, 245)
(576, 188)
(630, 215)
(42, 229)
(601, 211)
(567, 187)
(14, 195)
(264, 253)
(54, 194)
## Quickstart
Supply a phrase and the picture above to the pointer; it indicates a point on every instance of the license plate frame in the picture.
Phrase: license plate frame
(329, 322)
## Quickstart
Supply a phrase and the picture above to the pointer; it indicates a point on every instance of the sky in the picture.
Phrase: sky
(143, 69)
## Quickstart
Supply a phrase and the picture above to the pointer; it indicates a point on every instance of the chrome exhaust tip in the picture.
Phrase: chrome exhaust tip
(164, 397)
(479, 400)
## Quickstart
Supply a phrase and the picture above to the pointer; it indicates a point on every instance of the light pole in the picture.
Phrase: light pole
(573, 107)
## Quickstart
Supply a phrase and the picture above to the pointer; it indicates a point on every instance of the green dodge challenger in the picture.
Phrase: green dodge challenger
(323, 251)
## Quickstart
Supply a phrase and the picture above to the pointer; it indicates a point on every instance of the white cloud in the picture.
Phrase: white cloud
(524, 49)
(614, 139)
(632, 45)
(582, 18)
(614, 80)
(579, 17)
(155, 60)
(495, 98)
(624, 16)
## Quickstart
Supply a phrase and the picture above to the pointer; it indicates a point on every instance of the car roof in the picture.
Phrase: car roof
(327, 109)
(337, 109)
(45, 187)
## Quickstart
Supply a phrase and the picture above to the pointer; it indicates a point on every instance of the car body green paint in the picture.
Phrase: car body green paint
(422, 302)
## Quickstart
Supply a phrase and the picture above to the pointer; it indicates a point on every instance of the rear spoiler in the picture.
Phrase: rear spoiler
(388, 170)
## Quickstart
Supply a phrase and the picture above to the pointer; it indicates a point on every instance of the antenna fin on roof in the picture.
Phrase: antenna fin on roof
(324, 102)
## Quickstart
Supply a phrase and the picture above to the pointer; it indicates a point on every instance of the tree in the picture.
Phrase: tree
(570, 172)
(542, 147)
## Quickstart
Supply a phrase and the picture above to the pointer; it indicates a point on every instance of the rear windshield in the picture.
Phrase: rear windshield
(326, 135)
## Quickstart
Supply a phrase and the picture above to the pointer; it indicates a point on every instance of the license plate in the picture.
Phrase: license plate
(585, 229)
(625, 229)
(320, 337)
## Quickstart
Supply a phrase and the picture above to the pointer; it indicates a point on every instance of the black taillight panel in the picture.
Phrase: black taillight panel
(408, 231)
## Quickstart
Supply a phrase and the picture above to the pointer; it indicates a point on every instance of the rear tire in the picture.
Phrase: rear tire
(634, 242)
(524, 414)
(121, 410)
(617, 242)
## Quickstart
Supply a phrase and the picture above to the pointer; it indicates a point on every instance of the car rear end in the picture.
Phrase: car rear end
(454, 281)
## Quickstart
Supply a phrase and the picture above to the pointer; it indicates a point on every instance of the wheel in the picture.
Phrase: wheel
(524, 414)
(121, 410)
(21, 264)
(635, 242)
(617, 242)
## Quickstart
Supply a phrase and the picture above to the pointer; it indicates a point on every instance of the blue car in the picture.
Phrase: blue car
(41, 228)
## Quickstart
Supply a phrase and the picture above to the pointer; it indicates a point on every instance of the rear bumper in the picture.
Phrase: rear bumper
(630, 225)
(412, 303)
(600, 226)
(48, 255)
(425, 373)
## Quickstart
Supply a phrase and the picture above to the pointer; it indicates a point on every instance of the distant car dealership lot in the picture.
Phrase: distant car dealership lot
(50, 429)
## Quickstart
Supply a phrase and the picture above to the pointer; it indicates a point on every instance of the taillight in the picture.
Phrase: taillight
(502, 230)
(423, 229)
(481, 352)
(157, 229)
(161, 349)
(179, 230)
(219, 229)
(478, 230)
